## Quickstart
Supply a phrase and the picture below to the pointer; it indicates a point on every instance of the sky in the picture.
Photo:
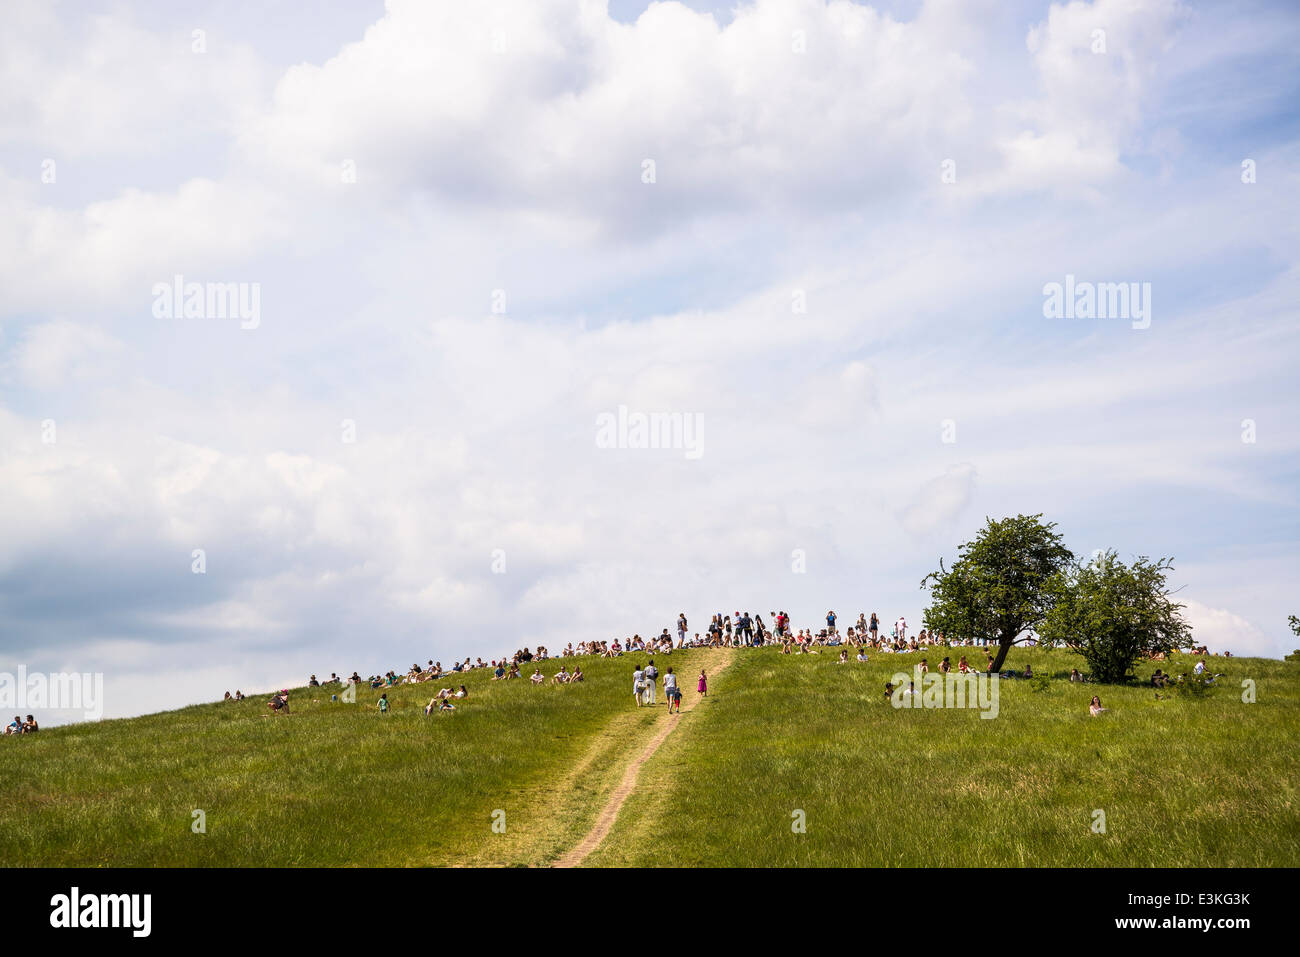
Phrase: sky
(817, 238)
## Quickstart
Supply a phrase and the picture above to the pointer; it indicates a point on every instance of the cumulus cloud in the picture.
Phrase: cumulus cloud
(1220, 629)
(939, 502)
(439, 336)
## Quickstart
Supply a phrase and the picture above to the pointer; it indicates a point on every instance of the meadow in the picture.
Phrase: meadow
(790, 761)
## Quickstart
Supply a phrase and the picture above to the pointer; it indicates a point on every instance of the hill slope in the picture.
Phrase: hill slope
(779, 740)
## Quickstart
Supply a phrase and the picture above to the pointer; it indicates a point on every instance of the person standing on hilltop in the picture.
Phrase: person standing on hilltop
(681, 629)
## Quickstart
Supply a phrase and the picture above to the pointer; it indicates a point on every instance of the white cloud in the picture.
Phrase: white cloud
(777, 172)
(1222, 630)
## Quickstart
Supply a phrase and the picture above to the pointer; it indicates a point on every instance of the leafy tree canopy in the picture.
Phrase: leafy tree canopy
(1115, 614)
(997, 589)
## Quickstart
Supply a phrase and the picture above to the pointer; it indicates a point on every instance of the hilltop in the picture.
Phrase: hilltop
(790, 761)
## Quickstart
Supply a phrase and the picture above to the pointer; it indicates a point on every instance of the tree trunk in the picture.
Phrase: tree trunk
(1003, 647)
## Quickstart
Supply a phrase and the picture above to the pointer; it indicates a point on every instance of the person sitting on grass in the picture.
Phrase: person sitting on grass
(577, 674)
(279, 704)
(889, 691)
(843, 659)
(432, 706)
(862, 653)
(1029, 671)
(1074, 675)
(15, 727)
(446, 706)
(30, 726)
(1095, 708)
(239, 695)
(499, 673)
(962, 666)
(229, 696)
(561, 677)
(537, 677)
(462, 693)
(945, 666)
(383, 703)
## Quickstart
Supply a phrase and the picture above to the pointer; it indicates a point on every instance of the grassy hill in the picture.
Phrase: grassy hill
(1182, 781)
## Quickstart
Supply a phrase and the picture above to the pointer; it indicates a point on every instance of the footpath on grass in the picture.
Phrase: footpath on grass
(627, 784)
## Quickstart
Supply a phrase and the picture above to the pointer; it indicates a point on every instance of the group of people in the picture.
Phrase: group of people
(645, 680)
(19, 726)
(739, 629)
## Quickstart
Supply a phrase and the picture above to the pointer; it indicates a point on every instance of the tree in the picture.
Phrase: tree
(1115, 614)
(997, 588)
(1294, 622)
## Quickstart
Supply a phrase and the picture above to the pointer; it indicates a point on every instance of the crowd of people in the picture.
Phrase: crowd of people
(739, 629)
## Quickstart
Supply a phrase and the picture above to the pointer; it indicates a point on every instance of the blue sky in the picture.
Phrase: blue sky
(496, 155)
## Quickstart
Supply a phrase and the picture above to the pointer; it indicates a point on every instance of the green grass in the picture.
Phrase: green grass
(332, 783)
(1183, 782)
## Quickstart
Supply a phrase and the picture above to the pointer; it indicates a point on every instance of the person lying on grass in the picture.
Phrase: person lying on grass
(1095, 708)
(446, 706)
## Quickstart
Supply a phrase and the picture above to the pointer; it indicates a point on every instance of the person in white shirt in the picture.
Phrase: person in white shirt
(638, 684)
(672, 692)
(650, 676)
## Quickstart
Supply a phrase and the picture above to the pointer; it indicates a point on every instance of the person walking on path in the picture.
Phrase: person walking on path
(672, 692)
(651, 674)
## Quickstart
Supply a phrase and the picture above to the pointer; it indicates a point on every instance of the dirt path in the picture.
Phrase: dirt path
(605, 821)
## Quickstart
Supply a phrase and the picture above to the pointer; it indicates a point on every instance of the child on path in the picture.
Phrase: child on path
(672, 692)
(703, 686)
